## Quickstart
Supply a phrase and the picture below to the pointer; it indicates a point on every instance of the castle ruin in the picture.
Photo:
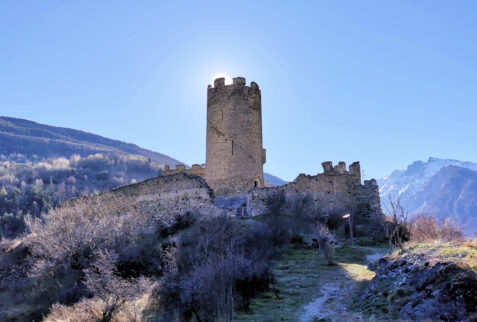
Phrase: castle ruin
(335, 191)
(235, 158)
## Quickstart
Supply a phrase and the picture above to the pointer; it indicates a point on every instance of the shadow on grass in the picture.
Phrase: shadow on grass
(301, 275)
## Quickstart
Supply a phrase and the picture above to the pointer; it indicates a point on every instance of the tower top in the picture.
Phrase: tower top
(237, 81)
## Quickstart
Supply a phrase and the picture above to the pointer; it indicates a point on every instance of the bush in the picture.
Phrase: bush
(65, 238)
(76, 252)
(11, 225)
(303, 213)
(428, 229)
(326, 243)
(275, 202)
(397, 228)
(111, 292)
(217, 266)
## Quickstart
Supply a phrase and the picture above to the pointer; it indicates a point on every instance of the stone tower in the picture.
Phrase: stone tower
(234, 156)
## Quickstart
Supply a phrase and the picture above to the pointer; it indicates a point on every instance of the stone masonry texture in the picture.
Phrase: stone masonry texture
(335, 191)
(234, 151)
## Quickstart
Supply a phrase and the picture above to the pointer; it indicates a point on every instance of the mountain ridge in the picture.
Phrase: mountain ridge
(37, 138)
(439, 187)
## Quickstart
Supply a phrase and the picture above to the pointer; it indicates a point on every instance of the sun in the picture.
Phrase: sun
(228, 79)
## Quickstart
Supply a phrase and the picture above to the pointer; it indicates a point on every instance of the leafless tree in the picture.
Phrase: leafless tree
(397, 229)
(275, 202)
(61, 237)
(427, 229)
(424, 229)
(450, 231)
(112, 291)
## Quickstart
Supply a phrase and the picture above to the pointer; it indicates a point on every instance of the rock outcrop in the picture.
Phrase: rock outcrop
(423, 286)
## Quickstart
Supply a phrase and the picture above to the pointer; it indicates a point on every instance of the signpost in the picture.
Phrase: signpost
(348, 218)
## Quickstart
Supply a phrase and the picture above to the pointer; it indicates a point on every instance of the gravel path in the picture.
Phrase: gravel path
(314, 309)
(334, 295)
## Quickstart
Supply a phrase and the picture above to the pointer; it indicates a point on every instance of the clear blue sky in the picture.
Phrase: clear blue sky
(383, 82)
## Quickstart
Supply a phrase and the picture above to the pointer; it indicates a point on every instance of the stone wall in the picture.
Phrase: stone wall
(163, 197)
(234, 152)
(334, 191)
(196, 170)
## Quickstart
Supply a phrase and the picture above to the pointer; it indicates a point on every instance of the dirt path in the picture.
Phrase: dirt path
(311, 290)
(314, 309)
(334, 298)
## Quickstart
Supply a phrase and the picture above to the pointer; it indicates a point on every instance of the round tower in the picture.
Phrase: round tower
(234, 152)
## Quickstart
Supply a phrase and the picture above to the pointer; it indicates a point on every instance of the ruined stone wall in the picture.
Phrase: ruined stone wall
(234, 152)
(163, 197)
(196, 170)
(334, 191)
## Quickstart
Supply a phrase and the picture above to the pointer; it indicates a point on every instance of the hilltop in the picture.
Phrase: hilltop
(40, 141)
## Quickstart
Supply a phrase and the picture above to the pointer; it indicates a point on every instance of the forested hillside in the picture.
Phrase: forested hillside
(38, 141)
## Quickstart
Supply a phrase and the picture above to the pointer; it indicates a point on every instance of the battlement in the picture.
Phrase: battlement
(196, 169)
(354, 168)
(236, 82)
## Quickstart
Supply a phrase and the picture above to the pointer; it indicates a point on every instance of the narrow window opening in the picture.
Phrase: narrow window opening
(255, 184)
(232, 147)
(222, 115)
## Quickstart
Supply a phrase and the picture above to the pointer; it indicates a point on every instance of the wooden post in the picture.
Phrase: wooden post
(351, 229)
(348, 217)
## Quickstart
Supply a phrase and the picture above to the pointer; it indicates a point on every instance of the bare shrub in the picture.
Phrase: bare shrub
(397, 229)
(209, 289)
(63, 241)
(424, 229)
(110, 291)
(275, 202)
(450, 231)
(302, 212)
(64, 237)
(133, 310)
(217, 266)
(326, 242)
(428, 229)
(11, 225)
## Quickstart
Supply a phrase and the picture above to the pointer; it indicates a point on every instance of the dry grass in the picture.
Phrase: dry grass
(357, 272)
(303, 276)
(463, 252)
(471, 242)
(88, 310)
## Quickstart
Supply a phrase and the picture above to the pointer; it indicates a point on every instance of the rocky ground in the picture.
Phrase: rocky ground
(426, 282)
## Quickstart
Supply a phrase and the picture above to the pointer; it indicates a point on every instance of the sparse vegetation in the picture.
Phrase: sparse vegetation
(429, 281)
(397, 228)
(217, 267)
(34, 187)
(428, 229)
(276, 202)
(327, 243)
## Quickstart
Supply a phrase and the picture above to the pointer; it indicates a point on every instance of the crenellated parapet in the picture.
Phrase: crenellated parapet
(219, 83)
(196, 169)
(335, 190)
(354, 170)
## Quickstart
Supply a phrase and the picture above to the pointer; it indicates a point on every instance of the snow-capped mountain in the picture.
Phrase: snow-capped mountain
(442, 187)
